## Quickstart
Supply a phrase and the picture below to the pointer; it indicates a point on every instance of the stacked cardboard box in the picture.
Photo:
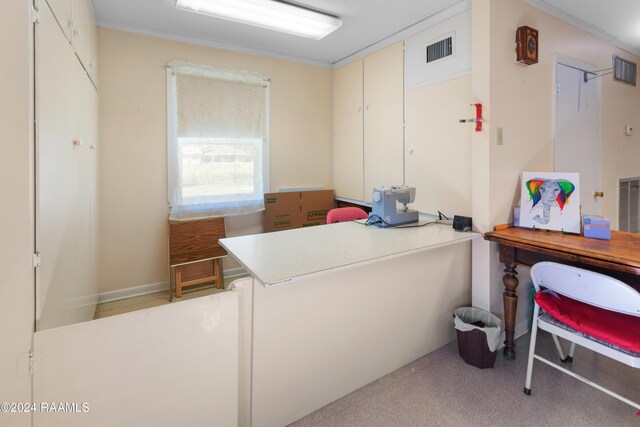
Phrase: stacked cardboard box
(295, 209)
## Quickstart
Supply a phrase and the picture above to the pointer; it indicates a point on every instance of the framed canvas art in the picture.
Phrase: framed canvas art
(550, 200)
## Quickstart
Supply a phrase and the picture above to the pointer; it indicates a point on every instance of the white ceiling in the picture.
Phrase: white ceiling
(617, 21)
(365, 22)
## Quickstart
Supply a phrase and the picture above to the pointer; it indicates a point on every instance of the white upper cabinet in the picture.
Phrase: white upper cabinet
(383, 119)
(77, 21)
(62, 12)
(84, 35)
(368, 119)
(348, 167)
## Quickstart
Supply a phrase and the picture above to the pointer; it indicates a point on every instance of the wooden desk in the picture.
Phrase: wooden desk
(618, 257)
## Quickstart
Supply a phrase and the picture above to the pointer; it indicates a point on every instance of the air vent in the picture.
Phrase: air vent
(440, 49)
(629, 208)
(624, 71)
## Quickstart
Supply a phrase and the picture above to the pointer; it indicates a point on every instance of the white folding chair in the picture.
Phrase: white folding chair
(591, 288)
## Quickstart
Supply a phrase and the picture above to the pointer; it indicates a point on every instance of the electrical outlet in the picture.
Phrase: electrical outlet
(500, 136)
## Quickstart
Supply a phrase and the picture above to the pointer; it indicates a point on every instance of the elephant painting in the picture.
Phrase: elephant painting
(549, 192)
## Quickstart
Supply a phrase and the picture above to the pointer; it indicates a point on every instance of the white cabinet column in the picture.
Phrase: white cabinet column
(348, 166)
(368, 118)
(383, 119)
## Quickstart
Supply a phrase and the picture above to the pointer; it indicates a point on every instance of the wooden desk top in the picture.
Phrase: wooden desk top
(195, 240)
(622, 252)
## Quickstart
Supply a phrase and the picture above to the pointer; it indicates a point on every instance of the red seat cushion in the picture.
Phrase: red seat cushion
(345, 214)
(619, 329)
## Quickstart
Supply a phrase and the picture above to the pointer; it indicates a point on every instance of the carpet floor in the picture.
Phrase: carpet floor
(440, 389)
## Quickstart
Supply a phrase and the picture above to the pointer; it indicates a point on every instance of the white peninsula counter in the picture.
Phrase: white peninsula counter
(352, 303)
(283, 256)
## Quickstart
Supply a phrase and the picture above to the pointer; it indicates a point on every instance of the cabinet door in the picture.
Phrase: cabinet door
(67, 109)
(347, 131)
(383, 119)
(62, 12)
(82, 17)
(92, 66)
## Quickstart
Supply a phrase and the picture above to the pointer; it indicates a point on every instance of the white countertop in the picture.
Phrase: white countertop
(283, 256)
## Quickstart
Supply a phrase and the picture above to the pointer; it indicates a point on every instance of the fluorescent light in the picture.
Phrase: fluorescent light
(270, 14)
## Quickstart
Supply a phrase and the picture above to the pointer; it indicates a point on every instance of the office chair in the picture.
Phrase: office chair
(345, 214)
(588, 309)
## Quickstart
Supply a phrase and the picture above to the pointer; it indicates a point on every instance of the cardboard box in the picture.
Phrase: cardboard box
(288, 210)
(281, 211)
(596, 227)
(314, 206)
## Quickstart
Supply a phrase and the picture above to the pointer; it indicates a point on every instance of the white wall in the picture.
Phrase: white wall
(319, 338)
(438, 148)
(16, 188)
(438, 94)
(418, 72)
(165, 366)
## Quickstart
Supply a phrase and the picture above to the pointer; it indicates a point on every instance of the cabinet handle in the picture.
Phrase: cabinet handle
(598, 194)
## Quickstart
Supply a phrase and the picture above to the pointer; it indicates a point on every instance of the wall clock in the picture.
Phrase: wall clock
(527, 45)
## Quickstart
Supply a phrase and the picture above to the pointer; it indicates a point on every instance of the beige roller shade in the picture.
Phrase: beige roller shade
(211, 108)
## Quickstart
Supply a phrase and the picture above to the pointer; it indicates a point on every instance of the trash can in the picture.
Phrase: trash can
(478, 336)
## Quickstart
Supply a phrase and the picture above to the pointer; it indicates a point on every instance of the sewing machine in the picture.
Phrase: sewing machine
(384, 206)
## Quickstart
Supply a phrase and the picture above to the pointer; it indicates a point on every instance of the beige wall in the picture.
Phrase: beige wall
(16, 184)
(438, 158)
(133, 145)
(521, 101)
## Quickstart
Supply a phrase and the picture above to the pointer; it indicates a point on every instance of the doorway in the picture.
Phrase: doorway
(577, 133)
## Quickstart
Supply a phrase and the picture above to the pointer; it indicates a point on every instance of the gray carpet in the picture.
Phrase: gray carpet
(440, 389)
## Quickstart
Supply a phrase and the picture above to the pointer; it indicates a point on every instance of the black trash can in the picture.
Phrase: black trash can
(478, 332)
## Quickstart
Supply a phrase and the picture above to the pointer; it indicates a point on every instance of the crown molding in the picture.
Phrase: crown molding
(209, 43)
(593, 30)
(409, 31)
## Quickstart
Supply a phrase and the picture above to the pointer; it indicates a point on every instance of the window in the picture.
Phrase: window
(218, 143)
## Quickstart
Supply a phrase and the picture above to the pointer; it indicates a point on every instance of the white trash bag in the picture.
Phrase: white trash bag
(470, 318)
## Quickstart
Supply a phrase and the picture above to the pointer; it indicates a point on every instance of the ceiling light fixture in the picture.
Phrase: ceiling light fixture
(274, 15)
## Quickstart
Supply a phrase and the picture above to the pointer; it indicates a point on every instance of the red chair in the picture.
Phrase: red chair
(345, 214)
(589, 309)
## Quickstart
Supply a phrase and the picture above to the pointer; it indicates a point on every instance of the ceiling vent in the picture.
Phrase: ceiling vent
(629, 208)
(624, 71)
(440, 49)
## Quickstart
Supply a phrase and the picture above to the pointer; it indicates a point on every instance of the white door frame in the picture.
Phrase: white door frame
(575, 63)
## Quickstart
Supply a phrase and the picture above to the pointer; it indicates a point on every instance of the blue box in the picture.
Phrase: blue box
(596, 227)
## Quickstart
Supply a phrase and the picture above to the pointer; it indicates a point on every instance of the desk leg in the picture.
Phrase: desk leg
(509, 300)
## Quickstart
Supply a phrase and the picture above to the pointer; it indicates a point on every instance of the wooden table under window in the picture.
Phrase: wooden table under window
(192, 242)
(618, 257)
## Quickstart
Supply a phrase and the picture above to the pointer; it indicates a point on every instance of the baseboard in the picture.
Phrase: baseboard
(153, 287)
(132, 292)
(521, 328)
(234, 272)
